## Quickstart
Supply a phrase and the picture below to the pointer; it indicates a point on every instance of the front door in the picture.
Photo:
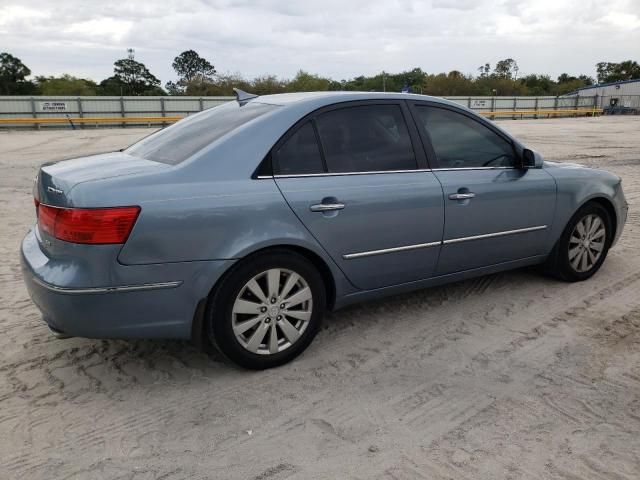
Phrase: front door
(352, 177)
(494, 211)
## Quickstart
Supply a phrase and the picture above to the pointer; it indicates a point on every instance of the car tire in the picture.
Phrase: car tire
(267, 309)
(583, 246)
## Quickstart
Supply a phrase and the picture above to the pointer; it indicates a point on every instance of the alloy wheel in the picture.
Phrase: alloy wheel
(272, 311)
(587, 242)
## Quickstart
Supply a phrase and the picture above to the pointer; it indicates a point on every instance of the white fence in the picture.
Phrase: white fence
(493, 104)
(80, 107)
(25, 107)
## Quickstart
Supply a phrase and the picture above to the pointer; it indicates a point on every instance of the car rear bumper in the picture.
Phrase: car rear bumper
(144, 301)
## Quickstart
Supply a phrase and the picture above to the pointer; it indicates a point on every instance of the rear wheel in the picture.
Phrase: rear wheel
(583, 246)
(267, 310)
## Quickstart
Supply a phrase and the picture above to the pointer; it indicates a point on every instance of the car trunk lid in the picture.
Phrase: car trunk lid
(55, 180)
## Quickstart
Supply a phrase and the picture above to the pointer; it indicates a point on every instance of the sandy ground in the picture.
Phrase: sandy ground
(510, 376)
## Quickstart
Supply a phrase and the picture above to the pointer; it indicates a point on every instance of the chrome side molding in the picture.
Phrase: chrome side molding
(369, 253)
(495, 234)
(101, 290)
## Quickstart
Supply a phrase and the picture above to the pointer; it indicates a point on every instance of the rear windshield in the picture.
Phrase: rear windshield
(180, 141)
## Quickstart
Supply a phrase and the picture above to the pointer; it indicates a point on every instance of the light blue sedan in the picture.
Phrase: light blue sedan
(240, 226)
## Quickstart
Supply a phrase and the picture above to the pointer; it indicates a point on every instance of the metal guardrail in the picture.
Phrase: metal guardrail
(156, 120)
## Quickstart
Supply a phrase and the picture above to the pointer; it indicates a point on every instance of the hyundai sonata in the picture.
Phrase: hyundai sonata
(241, 225)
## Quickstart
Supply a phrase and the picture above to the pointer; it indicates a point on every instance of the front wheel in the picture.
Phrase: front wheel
(583, 246)
(267, 310)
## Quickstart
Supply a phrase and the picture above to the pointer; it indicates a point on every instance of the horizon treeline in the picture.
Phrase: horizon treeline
(197, 76)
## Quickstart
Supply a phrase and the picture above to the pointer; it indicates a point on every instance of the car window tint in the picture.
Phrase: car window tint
(368, 138)
(461, 142)
(299, 154)
(183, 139)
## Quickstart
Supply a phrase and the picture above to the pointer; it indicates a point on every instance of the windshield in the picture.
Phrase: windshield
(180, 141)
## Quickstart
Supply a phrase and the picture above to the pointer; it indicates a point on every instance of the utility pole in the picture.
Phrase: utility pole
(384, 84)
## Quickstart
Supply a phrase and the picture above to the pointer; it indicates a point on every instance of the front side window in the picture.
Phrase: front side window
(299, 154)
(368, 138)
(180, 141)
(461, 142)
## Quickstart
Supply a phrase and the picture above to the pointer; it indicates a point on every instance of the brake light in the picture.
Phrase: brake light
(88, 225)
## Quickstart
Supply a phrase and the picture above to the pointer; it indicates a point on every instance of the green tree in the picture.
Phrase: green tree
(484, 70)
(507, 68)
(13, 75)
(496, 85)
(221, 85)
(452, 83)
(538, 84)
(189, 65)
(112, 86)
(615, 72)
(268, 84)
(565, 77)
(173, 88)
(307, 82)
(66, 85)
(131, 78)
(190, 68)
(567, 86)
(569, 83)
(414, 79)
(586, 79)
(390, 82)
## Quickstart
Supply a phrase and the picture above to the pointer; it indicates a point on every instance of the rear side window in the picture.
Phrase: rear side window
(461, 142)
(180, 141)
(368, 138)
(300, 154)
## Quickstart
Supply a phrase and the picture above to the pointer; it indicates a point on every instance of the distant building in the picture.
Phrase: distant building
(625, 87)
(618, 96)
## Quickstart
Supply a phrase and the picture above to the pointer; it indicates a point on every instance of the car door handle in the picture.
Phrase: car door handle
(461, 196)
(326, 207)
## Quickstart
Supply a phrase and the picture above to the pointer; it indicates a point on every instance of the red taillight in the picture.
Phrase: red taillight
(47, 218)
(88, 225)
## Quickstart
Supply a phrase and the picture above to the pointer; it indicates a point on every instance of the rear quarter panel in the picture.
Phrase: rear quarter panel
(220, 220)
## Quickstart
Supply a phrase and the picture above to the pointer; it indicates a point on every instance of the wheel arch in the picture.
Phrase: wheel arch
(554, 264)
(607, 204)
(198, 333)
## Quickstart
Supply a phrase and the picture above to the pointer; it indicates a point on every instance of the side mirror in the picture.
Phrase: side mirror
(531, 159)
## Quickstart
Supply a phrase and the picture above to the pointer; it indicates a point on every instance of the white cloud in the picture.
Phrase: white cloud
(338, 38)
(623, 21)
(455, 4)
(11, 14)
(106, 28)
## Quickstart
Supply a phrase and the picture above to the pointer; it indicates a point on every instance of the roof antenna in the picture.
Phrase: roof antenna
(242, 96)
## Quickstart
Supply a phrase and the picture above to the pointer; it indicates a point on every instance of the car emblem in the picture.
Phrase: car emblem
(54, 190)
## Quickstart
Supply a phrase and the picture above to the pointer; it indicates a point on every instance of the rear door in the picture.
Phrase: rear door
(495, 211)
(353, 175)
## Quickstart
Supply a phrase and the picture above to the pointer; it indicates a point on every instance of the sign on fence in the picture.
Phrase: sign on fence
(480, 104)
(53, 106)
